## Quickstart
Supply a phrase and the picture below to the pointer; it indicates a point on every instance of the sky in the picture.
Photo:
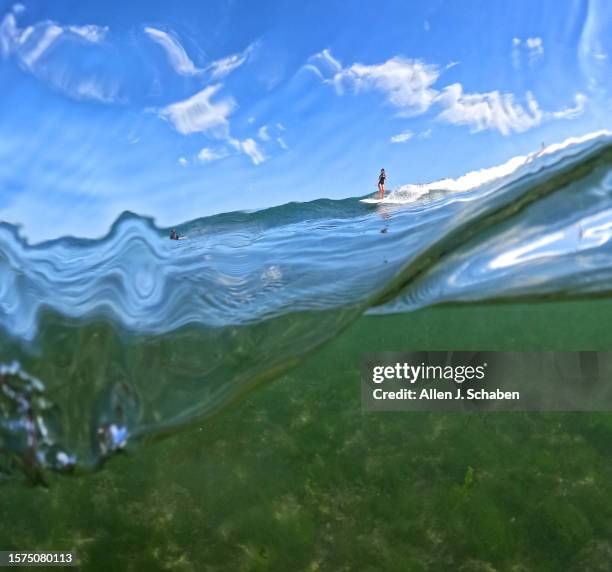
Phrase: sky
(176, 110)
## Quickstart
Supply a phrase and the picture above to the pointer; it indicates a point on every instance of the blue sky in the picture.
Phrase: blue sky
(181, 109)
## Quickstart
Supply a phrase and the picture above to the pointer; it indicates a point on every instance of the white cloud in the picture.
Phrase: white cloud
(593, 47)
(409, 85)
(227, 65)
(29, 46)
(93, 34)
(499, 111)
(407, 135)
(50, 33)
(224, 66)
(492, 110)
(402, 137)
(178, 58)
(571, 112)
(91, 89)
(516, 52)
(206, 155)
(198, 114)
(324, 65)
(182, 161)
(249, 147)
(263, 134)
(535, 48)
(30, 43)
(405, 82)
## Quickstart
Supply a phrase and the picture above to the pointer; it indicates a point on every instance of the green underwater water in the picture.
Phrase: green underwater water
(296, 477)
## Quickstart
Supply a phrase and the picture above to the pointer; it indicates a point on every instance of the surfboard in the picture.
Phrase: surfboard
(388, 200)
(385, 201)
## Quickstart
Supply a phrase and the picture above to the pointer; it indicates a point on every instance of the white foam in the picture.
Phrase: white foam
(473, 179)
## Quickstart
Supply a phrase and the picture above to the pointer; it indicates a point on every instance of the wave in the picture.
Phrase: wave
(108, 343)
(474, 179)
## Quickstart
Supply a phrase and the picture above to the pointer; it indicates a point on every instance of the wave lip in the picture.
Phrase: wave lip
(474, 179)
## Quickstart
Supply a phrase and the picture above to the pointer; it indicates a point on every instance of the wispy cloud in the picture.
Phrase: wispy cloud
(263, 134)
(31, 46)
(90, 88)
(572, 112)
(250, 148)
(48, 34)
(407, 135)
(228, 64)
(593, 47)
(535, 48)
(199, 114)
(516, 53)
(409, 86)
(206, 154)
(93, 34)
(30, 43)
(177, 56)
(405, 82)
(267, 132)
(324, 65)
(493, 110)
(182, 63)
(532, 47)
(402, 137)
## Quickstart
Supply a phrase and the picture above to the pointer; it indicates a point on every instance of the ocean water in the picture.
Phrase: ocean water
(238, 349)
(295, 477)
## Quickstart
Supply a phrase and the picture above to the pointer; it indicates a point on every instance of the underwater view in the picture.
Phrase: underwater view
(198, 247)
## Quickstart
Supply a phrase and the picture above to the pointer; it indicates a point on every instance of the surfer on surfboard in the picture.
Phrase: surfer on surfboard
(381, 184)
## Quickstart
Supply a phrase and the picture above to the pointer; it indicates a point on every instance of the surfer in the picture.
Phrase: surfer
(174, 235)
(381, 184)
